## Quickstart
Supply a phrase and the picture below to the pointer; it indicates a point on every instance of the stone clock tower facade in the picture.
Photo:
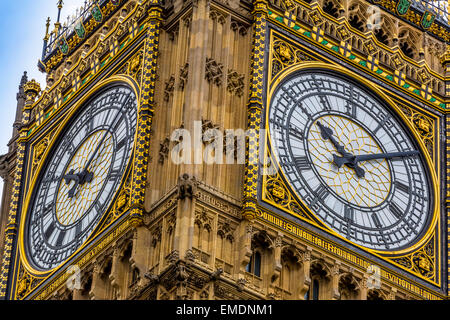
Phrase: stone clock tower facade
(330, 118)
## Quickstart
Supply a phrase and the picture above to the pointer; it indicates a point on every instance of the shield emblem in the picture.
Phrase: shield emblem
(289, 19)
(63, 45)
(427, 19)
(403, 6)
(80, 30)
(97, 13)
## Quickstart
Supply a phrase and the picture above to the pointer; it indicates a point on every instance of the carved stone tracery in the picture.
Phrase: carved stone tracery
(214, 71)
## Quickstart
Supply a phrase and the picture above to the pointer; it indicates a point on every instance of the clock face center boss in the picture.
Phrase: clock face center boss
(349, 160)
(81, 176)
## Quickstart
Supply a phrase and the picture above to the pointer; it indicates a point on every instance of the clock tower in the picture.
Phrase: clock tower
(233, 149)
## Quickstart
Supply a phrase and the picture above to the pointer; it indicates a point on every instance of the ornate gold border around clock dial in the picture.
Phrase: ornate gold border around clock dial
(277, 191)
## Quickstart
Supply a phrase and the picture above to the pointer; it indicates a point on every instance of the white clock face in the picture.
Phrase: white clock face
(350, 161)
(81, 176)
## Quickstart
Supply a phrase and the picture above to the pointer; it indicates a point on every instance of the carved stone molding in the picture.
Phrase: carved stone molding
(285, 55)
(216, 15)
(239, 27)
(214, 71)
(169, 88)
(207, 131)
(184, 74)
(235, 83)
(187, 186)
(203, 219)
(164, 148)
(4, 166)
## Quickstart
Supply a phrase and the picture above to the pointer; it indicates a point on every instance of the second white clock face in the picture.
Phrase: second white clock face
(349, 160)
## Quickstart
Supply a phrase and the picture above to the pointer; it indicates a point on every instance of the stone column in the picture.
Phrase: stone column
(116, 274)
(184, 230)
(245, 241)
(191, 119)
(254, 108)
(277, 259)
(145, 114)
(445, 60)
(335, 271)
(364, 287)
(98, 287)
(306, 269)
(31, 89)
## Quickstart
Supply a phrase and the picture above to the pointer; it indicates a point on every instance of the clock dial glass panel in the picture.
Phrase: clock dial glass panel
(350, 161)
(81, 176)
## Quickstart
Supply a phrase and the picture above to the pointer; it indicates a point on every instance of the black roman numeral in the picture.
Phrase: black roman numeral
(402, 187)
(325, 102)
(376, 221)
(117, 125)
(351, 109)
(49, 232)
(113, 175)
(78, 230)
(121, 144)
(296, 132)
(61, 236)
(396, 211)
(321, 194)
(302, 163)
(349, 214)
(381, 123)
(98, 207)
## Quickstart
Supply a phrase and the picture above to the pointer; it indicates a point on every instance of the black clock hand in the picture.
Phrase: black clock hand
(327, 134)
(340, 161)
(69, 177)
(79, 178)
(85, 175)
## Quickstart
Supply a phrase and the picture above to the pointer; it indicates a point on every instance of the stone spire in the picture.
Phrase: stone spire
(20, 103)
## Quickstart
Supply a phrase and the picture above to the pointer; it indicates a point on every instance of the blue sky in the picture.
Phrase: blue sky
(22, 28)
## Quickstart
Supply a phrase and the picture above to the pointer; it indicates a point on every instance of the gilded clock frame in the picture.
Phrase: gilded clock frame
(132, 63)
(315, 60)
(60, 131)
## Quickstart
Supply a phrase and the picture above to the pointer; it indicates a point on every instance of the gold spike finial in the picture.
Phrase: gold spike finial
(47, 26)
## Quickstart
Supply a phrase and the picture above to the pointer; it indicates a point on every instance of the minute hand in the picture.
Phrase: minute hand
(366, 157)
(340, 161)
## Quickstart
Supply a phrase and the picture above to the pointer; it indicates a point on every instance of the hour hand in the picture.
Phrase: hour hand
(68, 178)
(79, 178)
(327, 134)
(349, 161)
(71, 176)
